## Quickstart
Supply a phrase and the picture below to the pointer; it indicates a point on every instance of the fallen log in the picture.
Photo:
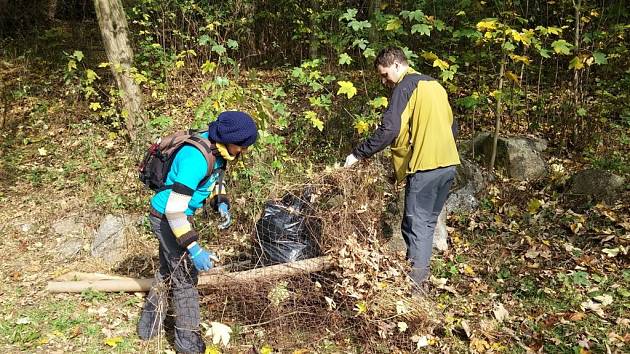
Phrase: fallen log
(213, 279)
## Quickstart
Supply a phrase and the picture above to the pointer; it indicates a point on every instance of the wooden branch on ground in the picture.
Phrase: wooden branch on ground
(101, 282)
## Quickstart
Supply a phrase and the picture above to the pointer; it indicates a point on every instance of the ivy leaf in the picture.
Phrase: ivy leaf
(393, 24)
(562, 47)
(344, 59)
(315, 121)
(346, 87)
(379, 102)
(219, 49)
(421, 28)
(600, 58)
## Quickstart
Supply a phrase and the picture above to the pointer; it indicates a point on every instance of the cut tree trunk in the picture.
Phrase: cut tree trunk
(216, 278)
(113, 25)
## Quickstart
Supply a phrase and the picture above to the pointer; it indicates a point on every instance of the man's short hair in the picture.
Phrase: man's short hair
(387, 56)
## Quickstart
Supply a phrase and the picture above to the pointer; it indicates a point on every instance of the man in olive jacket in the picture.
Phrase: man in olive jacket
(419, 126)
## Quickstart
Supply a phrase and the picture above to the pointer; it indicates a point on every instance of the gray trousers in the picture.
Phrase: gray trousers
(425, 195)
(175, 283)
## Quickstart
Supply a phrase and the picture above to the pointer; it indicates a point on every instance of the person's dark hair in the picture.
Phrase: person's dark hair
(387, 56)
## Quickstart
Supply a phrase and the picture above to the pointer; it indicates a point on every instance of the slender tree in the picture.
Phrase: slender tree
(113, 25)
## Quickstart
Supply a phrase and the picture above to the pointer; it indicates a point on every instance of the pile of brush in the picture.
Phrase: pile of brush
(362, 292)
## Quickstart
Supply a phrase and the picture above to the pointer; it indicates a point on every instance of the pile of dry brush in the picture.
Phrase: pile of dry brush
(365, 295)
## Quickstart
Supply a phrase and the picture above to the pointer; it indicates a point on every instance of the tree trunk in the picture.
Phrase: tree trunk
(113, 24)
(313, 43)
(576, 76)
(497, 123)
(374, 8)
(102, 282)
(52, 9)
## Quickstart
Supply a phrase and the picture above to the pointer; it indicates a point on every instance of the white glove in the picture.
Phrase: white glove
(350, 160)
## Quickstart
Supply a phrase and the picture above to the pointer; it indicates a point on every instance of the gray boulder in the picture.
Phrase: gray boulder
(469, 181)
(518, 157)
(71, 233)
(109, 241)
(598, 184)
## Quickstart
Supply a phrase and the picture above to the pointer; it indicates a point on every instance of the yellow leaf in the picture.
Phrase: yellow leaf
(487, 25)
(360, 307)
(441, 64)
(266, 349)
(113, 342)
(379, 102)
(430, 56)
(95, 106)
(469, 271)
(211, 349)
(361, 126)
(576, 63)
(179, 64)
(520, 58)
(301, 351)
(516, 36)
(42, 151)
(510, 75)
(533, 205)
(346, 87)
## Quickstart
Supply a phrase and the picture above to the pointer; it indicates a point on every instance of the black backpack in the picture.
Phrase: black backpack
(159, 157)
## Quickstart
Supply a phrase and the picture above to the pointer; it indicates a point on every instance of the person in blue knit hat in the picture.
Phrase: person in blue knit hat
(188, 188)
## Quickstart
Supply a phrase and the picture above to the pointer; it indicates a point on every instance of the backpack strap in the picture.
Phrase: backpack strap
(207, 149)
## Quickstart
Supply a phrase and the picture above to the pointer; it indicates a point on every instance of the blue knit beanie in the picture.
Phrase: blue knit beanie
(233, 127)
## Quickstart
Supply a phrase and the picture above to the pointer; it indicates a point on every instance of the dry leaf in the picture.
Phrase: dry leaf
(500, 313)
(219, 332)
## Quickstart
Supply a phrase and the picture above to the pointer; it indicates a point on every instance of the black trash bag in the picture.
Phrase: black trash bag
(287, 231)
